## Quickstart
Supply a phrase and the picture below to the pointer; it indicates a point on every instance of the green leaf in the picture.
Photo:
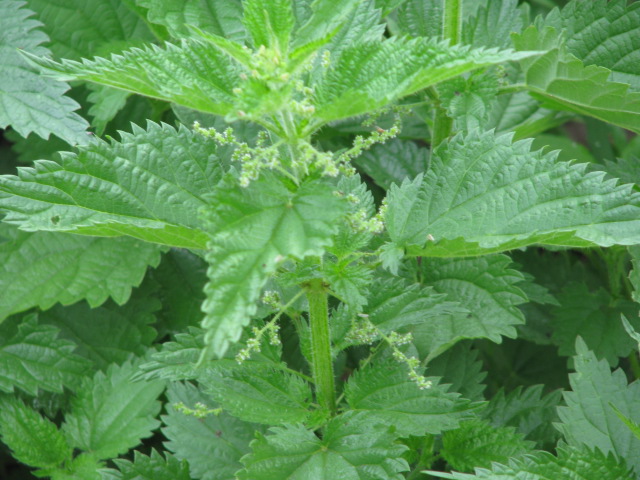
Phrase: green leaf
(269, 22)
(395, 304)
(531, 413)
(469, 100)
(326, 17)
(569, 150)
(371, 75)
(553, 269)
(177, 359)
(107, 102)
(82, 467)
(220, 18)
(235, 50)
(588, 419)
(84, 29)
(43, 268)
(387, 6)
(349, 282)
(633, 426)
(492, 24)
(421, 18)
(133, 187)
(34, 148)
(351, 448)
(253, 230)
(487, 289)
(193, 73)
(153, 467)
(34, 358)
(594, 316)
(630, 330)
(114, 332)
(350, 238)
(486, 194)
(259, 395)
(181, 276)
(602, 33)
(477, 443)
(460, 368)
(393, 162)
(521, 113)
(77, 28)
(31, 102)
(521, 362)
(356, 22)
(572, 463)
(33, 439)
(386, 393)
(563, 82)
(626, 169)
(212, 445)
(111, 414)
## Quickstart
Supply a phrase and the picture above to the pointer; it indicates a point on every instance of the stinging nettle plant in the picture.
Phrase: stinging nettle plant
(300, 235)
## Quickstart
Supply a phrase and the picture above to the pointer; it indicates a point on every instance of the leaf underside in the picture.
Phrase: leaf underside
(563, 82)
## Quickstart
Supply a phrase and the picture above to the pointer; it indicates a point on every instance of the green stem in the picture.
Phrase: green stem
(452, 22)
(322, 363)
(452, 28)
(513, 88)
(635, 364)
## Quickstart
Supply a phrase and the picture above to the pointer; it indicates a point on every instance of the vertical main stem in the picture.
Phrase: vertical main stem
(452, 21)
(322, 364)
(452, 29)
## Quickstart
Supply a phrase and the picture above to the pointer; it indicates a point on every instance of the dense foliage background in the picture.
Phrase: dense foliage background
(415, 254)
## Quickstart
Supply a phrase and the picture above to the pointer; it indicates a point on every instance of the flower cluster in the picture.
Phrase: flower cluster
(252, 346)
(365, 332)
(396, 340)
(251, 159)
(272, 299)
(200, 410)
(271, 329)
(362, 143)
(362, 331)
(360, 221)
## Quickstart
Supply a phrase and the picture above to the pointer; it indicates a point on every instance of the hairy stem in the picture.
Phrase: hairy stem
(322, 365)
(452, 27)
(452, 21)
